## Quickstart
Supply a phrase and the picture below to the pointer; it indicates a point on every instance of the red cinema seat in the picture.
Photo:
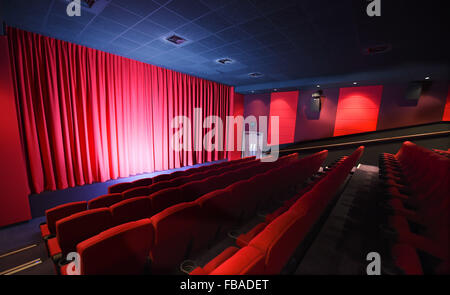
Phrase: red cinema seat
(131, 210)
(119, 187)
(165, 198)
(142, 182)
(244, 194)
(174, 229)
(105, 201)
(406, 258)
(220, 213)
(137, 192)
(279, 240)
(76, 228)
(178, 174)
(121, 250)
(159, 186)
(246, 261)
(191, 191)
(161, 177)
(57, 213)
(217, 261)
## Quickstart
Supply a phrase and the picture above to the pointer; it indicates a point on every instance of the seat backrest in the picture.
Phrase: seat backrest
(81, 226)
(279, 240)
(174, 229)
(247, 261)
(242, 192)
(119, 187)
(142, 182)
(131, 210)
(105, 201)
(161, 177)
(178, 174)
(165, 198)
(61, 211)
(140, 191)
(121, 250)
(219, 210)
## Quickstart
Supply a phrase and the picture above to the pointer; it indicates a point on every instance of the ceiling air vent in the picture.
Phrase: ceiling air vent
(224, 61)
(377, 49)
(177, 40)
(255, 75)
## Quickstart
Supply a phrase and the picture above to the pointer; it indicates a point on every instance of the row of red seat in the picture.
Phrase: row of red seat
(417, 203)
(443, 153)
(82, 225)
(123, 186)
(186, 228)
(269, 251)
(48, 229)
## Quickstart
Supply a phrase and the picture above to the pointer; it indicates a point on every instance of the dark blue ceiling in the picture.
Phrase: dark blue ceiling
(283, 40)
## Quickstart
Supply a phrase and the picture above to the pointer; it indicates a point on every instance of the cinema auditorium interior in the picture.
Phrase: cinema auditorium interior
(196, 138)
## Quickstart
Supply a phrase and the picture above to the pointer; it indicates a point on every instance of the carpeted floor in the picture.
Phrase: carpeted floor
(348, 234)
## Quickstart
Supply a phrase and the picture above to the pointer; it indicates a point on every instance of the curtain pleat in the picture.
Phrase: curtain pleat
(89, 116)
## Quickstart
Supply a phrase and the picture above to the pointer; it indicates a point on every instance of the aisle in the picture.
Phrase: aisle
(347, 236)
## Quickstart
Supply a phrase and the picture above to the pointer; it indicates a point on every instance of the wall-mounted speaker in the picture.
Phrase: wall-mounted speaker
(414, 90)
(316, 102)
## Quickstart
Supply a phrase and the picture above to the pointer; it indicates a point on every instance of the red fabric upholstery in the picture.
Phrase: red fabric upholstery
(121, 250)
(143, 182)
(279, 240)
(81, 226)
(119, 187)
(105, 201)
(45, 232)
(56, 213)
(53, 247)
(141, 191)
(247, 261)
(213, 264)
(220, 212)
(165, 198)
(406, 258)
(131, 210)
(244, 239)
(174, 230)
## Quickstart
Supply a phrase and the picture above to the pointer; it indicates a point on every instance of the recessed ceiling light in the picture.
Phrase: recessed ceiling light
(355, 83)
(255, 75)
(427, 78)
(275, 89)
(177, 40)
(224, 61)
(318, 86)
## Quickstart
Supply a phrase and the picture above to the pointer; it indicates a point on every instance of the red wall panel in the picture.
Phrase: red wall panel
(14, 206)
(284, 105)
(446, 116)
(396, 111)
(357, 110)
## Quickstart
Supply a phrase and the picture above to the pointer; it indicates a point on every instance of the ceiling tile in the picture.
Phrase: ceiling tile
(191, 9)
(120, 15)
(167, 18)
(142, 8)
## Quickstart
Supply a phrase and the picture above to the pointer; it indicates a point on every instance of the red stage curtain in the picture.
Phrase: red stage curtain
(89, 116)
